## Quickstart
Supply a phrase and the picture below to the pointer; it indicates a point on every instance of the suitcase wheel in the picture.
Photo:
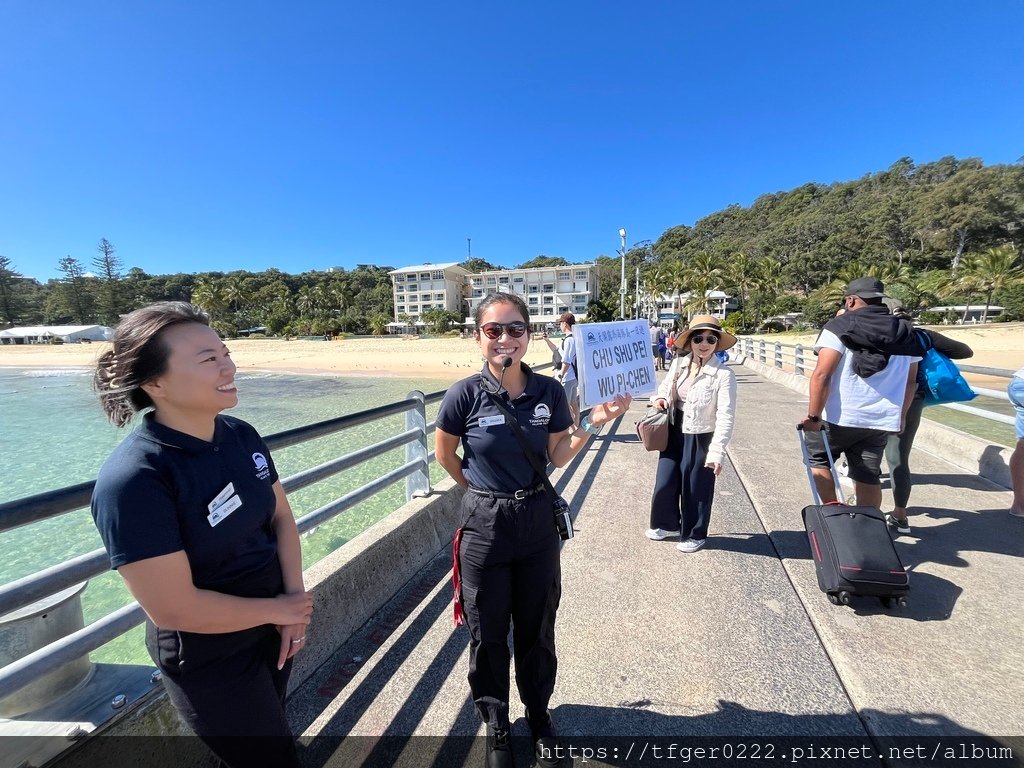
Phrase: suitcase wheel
(839, 598)
(888, 602)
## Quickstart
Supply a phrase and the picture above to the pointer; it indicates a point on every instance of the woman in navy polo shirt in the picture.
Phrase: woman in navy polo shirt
(507, 547)
(194, 519)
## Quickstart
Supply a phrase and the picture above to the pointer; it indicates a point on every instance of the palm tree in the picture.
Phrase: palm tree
(988, 272)
(701, 274)
(378, 322)
(768, 281)
(741, 277)
(207, 295)
(234, 292)
(306, 302)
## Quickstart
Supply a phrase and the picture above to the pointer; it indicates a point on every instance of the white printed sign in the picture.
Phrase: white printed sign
(614, 359)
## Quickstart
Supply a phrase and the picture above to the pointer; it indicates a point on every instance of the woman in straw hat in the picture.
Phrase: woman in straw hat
(705, 408)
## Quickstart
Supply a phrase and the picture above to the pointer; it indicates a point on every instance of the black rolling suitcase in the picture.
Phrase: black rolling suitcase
(852, 550)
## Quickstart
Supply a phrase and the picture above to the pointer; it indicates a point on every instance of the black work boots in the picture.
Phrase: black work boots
(499, 748)
(546, 749)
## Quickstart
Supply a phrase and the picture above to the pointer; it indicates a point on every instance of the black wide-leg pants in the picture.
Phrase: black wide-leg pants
(684, 488)
(228, 690)
(509, 560)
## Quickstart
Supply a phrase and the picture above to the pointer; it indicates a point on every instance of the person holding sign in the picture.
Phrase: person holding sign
(194, 519)
(703, 392)
(506, 550)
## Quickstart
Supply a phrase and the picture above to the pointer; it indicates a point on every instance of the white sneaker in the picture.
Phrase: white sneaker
(691, 545)
(657, 534)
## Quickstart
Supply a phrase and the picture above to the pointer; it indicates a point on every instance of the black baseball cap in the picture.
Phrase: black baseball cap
(866, 288)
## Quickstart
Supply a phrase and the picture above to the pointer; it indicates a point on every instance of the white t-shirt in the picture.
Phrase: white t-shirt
(872, 403)
(569, 356)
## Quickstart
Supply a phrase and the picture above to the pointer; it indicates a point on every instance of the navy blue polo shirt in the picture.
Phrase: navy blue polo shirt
(492, 457)
(152, 497)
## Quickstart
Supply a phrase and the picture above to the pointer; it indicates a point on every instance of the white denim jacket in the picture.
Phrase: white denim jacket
(710, 403)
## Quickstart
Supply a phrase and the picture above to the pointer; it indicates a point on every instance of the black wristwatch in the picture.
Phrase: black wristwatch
(813, 419)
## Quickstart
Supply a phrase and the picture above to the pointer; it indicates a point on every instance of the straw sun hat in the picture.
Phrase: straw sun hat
(705, 323)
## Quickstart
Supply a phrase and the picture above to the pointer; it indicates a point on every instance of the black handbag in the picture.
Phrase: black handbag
(559, 506)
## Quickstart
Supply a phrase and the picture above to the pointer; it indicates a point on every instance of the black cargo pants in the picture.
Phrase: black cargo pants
(509, 559)
(228, 689)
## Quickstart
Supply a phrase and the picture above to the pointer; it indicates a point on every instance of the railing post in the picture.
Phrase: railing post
(417, 485)
(760, 351)
(778, 355)
(798, 359)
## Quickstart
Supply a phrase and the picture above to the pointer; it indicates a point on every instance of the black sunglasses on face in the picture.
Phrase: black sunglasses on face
(515, 329)
(710, 338)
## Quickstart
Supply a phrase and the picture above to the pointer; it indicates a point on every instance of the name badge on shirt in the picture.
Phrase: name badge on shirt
(492, 421)
(224, 510)
(220, 498)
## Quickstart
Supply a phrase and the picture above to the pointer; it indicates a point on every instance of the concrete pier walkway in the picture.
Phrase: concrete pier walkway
(732, 643)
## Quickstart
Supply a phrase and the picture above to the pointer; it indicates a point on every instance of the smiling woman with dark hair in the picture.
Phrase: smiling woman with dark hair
(506, 550)
(194, 519)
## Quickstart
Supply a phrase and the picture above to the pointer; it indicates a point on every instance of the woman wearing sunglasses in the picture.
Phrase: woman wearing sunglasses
(705, 408)
(506, 550)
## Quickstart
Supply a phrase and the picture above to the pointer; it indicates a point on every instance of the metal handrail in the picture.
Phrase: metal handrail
(41, 506)
(747, 347)
(25, 591)
(17, 675)
(51, 580)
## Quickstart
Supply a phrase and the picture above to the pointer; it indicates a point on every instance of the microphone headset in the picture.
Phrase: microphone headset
(506, 363)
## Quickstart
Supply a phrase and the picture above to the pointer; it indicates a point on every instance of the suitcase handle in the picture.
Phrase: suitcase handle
(802, 437)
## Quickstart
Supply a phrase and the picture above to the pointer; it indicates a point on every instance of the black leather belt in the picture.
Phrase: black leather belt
(522, 493)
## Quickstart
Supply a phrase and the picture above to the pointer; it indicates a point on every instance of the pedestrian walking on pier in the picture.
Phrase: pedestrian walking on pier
(194, 519)
(1015, 391)
(702, 392)
(862, 387)
(506, 550)
(898, 445)
(565, 369)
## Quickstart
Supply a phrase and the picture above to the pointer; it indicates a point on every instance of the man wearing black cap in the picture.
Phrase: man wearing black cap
(862, 386)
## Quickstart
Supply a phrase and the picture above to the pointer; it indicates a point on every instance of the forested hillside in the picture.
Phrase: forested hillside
(946, 232)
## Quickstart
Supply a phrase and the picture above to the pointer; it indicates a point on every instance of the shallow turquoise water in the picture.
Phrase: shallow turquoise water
(53, 434)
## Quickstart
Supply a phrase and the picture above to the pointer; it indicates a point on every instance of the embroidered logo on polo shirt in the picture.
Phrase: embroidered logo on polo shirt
(541, 415)
(262, 466)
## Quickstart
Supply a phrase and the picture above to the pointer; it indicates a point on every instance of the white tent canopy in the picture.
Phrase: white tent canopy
(70, 334)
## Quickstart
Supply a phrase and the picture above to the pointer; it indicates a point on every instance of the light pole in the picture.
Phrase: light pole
(622, 283)
(636, 305)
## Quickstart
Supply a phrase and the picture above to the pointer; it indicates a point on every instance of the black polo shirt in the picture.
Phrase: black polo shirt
(152, 497)
(492, 457)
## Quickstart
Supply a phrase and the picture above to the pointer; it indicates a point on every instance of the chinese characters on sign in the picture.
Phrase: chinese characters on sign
(614, 359)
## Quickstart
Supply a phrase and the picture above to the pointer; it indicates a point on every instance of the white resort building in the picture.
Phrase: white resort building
(427, 286)
(547, 291)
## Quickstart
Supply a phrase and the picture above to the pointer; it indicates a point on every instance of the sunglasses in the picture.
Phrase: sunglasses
(515, 329)
(710, 339)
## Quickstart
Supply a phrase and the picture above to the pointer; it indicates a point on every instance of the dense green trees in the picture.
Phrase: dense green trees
(946, 232)
(312, 303)
(925, 230)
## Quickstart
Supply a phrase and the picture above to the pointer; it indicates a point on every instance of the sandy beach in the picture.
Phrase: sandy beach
(999, 346)
(394, 356)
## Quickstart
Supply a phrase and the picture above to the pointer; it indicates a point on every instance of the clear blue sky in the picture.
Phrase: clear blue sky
(303, 135)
